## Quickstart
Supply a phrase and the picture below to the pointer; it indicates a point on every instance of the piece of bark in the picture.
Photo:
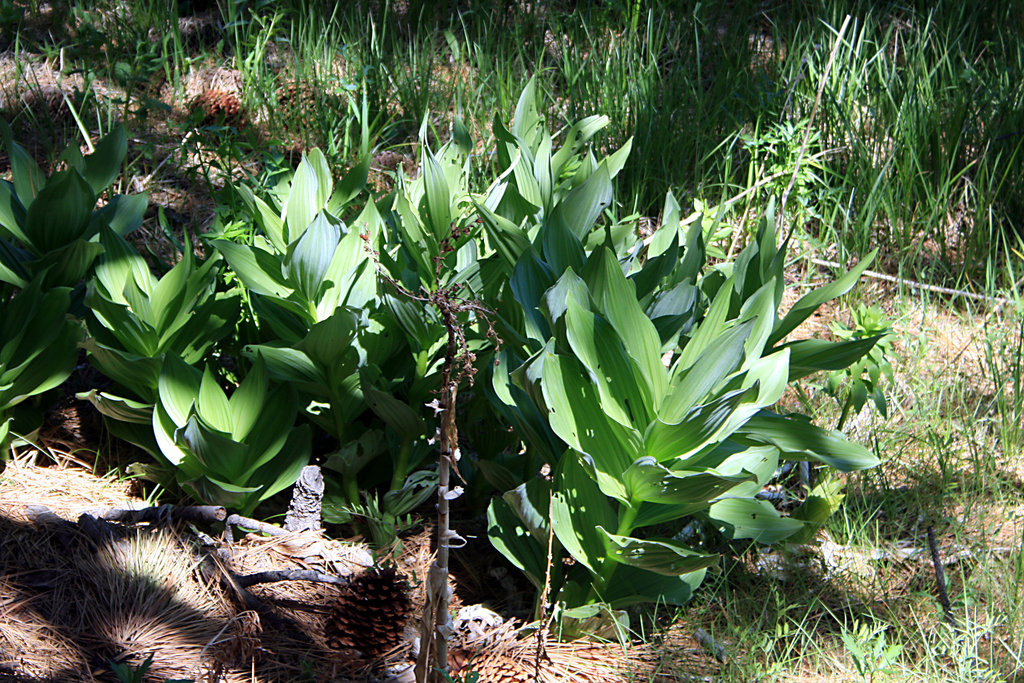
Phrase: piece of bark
(304, 513)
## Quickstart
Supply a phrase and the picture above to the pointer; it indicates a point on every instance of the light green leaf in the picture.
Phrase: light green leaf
(60, 213)
(306, 198)
(703, 424)
(437, 195)
(810, 302)
(615, 296)
(310, 256)
(753, 519)
(625, 396)
(178, 389)
(259, 270)
(648, 481)
(103, 166)
(658, 556)
(711, 367)
(580, 208)
(579, 507)
(798, 439)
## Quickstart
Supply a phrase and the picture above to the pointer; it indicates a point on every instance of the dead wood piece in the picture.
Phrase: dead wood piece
(708, 642)
(255, 524)
(162, 514)
(304, 513)
(274, 575)
(231, 582)
(940, 579)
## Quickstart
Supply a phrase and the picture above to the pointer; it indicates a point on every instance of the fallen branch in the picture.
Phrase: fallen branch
(940, 579)
(919, 285)
(161, 514)
(708, 642)
(255, 524)
(274, 575)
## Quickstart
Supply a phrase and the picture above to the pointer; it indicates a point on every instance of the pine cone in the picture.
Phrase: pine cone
(492, 668)
(370, 614)
(220, 105)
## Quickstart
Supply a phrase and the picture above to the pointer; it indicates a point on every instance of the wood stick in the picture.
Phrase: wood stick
(255, 524)
(162, 513)
(940, 579)
(274, 575)
(918, 285)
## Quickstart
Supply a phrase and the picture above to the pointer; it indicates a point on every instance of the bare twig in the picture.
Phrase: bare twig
(274, 575)
(255, 524)
(542, 626)
(920, 285)
(940, 579)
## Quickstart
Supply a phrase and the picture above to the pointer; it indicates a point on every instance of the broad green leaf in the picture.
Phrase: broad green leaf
(164, 428)
(349, 187)
(577, 416)
(578, 508)
(437, 195)
(119, 264)
(330, 340)
(140, 374)
(28, 178)
(213, 404)
(810, 302)
(103, 166)
(711, 367)
(267, 218)
(808, 356)
(658, 556)
(124, 213)
(60, 213)
(221, 456)
(798, 439)
(511, 538)
(561, 249)
(617, 159)
(288, 365)
(625, 396)
(700, 426)
(178, 389)
(581, 207)
(753, 519)
(650, 482)
(577, 135)
(67, 265)
(821, 503)
(12, 213)
(310, 256)
(281, 472)
(631, 585)
(305, 200)
(504, 236)
(118, 408)
(405, 421)
(709, 332)
(259, 270)
(615, 296)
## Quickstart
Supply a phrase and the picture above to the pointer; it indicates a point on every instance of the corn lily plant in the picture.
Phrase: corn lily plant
(49, 225)
(38, 349)
(234, 451)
